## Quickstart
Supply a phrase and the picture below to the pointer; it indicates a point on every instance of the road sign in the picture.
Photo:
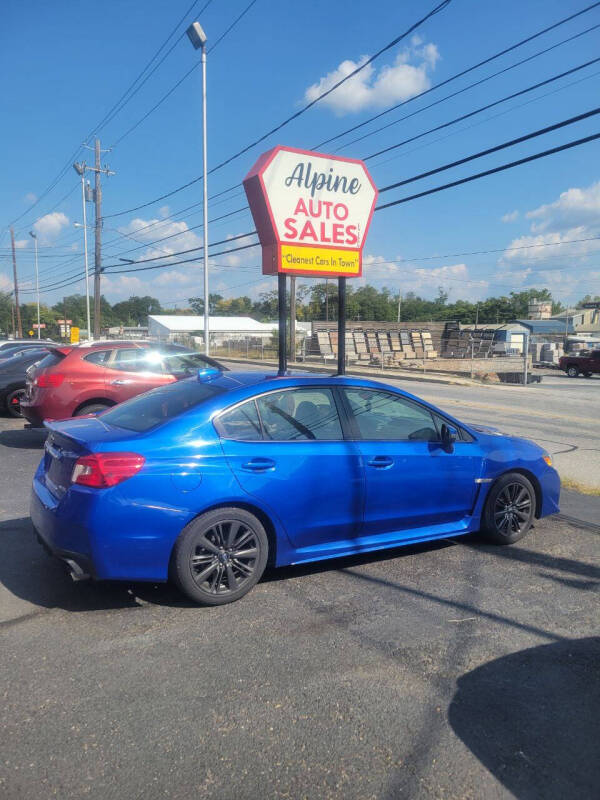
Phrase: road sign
(74, 335)
(35, 325)
(312, 212)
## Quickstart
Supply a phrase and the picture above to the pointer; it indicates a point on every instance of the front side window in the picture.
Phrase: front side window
(381, 416)
(300, 414)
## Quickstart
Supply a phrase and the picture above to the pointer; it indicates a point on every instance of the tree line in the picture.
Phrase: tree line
(314, 302)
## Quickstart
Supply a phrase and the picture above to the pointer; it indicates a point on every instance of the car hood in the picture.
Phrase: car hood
(488, 429)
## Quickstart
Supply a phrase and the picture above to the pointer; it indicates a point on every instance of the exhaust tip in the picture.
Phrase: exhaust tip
(77, 573)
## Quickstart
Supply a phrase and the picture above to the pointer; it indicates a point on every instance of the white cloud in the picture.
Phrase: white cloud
(30, 198)
(574, 208)
(406, 277)
(49, 226)
(512, 216)
(371, 88)
(164, 211)
(6, 284)
(21, 244)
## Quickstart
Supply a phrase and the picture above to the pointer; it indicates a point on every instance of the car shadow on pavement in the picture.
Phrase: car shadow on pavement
(24, 438)
(532, 719)
(587, 574)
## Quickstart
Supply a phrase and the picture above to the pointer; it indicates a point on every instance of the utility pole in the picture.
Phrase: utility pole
(97, 243)
(399, 306)
(98, 169)
(292, 317)
(19, 331)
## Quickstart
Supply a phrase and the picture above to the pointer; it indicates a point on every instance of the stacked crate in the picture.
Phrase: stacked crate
(333, 340)
(323, 344)
(350, 346)
(361, 346)
(373, 346)
(428, 344)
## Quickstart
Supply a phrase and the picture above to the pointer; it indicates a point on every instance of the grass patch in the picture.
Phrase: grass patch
(582, 488)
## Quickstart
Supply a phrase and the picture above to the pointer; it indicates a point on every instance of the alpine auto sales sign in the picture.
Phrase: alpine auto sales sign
(312, 212)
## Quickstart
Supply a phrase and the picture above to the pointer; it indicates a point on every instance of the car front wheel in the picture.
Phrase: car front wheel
(220, 556)
(509, 509)
(572, 372)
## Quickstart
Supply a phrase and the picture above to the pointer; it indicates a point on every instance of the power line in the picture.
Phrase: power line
(495, 149)
(487, 172)
(131, 91)
(182, 79)
(294, 116)
(464, 89)
(463, 72)
(483, 108)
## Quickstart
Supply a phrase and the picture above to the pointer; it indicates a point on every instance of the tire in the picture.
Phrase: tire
(13, 402)
(509, 509)
(91, 408)
(572, 372)
(203, 565)
(587, 374)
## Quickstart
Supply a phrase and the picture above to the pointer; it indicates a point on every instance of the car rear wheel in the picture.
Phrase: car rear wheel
(220, 556)
(509, 509)
(13, 402)
(91, 408)
(587, 374)
(572, 372)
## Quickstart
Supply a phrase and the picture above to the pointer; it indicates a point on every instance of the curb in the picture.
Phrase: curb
(367, 373)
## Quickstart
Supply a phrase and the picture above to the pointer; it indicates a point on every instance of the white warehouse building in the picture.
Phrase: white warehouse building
(167, 327)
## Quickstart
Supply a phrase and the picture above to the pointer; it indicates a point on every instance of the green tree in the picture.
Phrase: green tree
(135, 311)
(197, 303)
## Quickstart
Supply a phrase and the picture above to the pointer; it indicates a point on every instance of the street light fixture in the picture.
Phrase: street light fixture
(37, 280)
(79, 168)
(198, 39)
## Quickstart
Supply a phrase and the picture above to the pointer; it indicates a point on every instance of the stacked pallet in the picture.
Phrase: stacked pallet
(323, 344)
(360, 343)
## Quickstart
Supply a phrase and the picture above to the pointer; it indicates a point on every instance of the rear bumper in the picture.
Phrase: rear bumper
(33, 414)
(106, 535)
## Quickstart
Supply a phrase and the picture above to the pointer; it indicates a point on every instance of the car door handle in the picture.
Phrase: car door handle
(259, 465)
(120, 382)
(381, 462)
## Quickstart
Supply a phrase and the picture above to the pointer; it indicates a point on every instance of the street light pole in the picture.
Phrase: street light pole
(37, 281)
(198, 39)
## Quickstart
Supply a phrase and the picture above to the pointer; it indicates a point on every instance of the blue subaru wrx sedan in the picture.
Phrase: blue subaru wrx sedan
(207, 480)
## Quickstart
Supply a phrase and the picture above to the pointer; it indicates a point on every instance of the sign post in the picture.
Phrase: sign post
(312, 212)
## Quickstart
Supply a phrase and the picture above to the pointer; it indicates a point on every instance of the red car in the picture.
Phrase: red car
(87, 379)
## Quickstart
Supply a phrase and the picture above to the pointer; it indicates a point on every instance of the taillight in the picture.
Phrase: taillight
(101, 470)
(49, 380)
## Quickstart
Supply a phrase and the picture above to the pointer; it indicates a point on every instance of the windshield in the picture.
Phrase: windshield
(154, 408)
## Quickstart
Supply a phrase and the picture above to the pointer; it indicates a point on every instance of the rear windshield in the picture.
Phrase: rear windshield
(161, 405)
(51, 360)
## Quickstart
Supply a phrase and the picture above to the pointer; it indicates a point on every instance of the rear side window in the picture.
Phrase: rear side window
(98, 356)
(149, 410)
(132, 360)
(297, 414)
(51, 360)
(241, 423)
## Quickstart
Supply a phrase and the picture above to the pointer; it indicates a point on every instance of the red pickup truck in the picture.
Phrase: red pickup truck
(587, 364)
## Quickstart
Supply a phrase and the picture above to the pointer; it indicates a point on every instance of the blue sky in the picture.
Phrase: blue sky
(64, 67)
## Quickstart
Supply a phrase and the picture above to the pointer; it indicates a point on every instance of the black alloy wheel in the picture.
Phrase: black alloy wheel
(220, 556)
(13, 402)
(510, 509)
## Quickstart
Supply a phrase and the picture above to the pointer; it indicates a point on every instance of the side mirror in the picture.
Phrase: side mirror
(449, 436)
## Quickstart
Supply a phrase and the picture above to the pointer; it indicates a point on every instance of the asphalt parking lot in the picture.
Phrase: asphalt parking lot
(454, 669)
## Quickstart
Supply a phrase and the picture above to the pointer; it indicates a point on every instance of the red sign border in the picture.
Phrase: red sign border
(262, 215)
